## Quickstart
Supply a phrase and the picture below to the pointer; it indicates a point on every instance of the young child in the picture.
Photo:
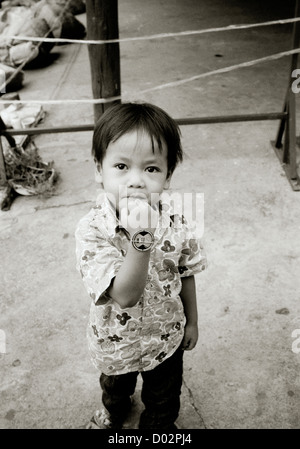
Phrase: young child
(137, 261)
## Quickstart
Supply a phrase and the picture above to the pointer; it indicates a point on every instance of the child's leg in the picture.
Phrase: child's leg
(161, 394)
(116, 392)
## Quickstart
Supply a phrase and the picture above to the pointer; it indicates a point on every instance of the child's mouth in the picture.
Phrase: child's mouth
(137, 196)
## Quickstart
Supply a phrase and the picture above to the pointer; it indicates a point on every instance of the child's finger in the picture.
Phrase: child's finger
(185, 344)
(189, 344)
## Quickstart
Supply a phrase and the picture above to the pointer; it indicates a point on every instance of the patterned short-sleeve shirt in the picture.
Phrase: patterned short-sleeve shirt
(136, 338)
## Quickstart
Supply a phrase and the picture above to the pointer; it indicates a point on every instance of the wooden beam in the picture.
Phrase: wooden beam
(102, 24)
(287, 153)
(180, 121)
(3, 178)
(231, 118)
(293, 66)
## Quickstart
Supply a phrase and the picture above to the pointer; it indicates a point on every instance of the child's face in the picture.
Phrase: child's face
(131, 169)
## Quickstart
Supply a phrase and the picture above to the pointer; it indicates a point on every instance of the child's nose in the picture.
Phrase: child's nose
(136, 179)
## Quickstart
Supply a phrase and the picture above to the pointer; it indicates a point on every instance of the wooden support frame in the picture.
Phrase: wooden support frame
(180, 121)
(103, 24)
(3, 178)
(105, 72)
(287, 152)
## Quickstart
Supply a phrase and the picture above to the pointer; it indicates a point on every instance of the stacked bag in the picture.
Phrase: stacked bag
(30, 18)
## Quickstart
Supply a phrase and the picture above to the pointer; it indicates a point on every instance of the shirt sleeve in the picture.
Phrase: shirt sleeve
(192, 258)
(98, 260)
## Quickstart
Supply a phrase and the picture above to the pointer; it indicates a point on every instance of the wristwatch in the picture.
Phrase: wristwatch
(142, 240)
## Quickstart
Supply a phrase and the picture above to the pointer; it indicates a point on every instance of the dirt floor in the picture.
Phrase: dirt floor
(243, 373)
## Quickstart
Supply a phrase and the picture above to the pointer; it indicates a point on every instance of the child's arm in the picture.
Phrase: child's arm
(188, 297)
(129, 283)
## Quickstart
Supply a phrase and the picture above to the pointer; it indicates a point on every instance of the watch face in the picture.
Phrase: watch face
(142, 240)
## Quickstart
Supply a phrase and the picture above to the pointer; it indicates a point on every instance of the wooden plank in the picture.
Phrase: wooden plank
(3, 178)
(291, 130)
(293, 66)
(180, 121)
(295, 183)
(231, 118)
(102, 24)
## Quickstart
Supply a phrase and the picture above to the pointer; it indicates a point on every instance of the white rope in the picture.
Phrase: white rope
(161, 86)
(224, 70)
(154, 36)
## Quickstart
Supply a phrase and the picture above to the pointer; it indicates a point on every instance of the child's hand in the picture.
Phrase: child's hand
(190, 337)
(137, 214)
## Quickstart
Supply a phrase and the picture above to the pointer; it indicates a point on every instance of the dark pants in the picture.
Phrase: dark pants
(160, 393)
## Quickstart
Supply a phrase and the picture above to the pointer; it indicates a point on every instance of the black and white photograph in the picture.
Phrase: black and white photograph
(150, 217)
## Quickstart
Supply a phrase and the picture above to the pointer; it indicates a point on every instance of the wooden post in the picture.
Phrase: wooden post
(3, 178)
(102, 24)
(287, 127)
(288, 124)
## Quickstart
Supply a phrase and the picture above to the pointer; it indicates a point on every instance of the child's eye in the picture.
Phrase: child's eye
(152, 169)
(120, 166)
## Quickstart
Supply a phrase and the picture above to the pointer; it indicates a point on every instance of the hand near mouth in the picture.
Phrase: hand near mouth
(137, 215)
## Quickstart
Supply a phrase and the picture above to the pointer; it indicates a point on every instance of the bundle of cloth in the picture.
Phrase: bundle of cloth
(30, 18)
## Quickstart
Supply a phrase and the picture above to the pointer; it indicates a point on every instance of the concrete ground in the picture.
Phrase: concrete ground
(243, 373)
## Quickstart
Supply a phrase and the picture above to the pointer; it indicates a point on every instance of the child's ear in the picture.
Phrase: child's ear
(98, 173)
(167, 182)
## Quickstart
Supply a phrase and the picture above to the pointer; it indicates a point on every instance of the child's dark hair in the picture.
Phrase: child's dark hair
(125, 117)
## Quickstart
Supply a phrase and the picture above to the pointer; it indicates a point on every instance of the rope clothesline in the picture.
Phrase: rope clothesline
(154, 36)
(161, 86)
